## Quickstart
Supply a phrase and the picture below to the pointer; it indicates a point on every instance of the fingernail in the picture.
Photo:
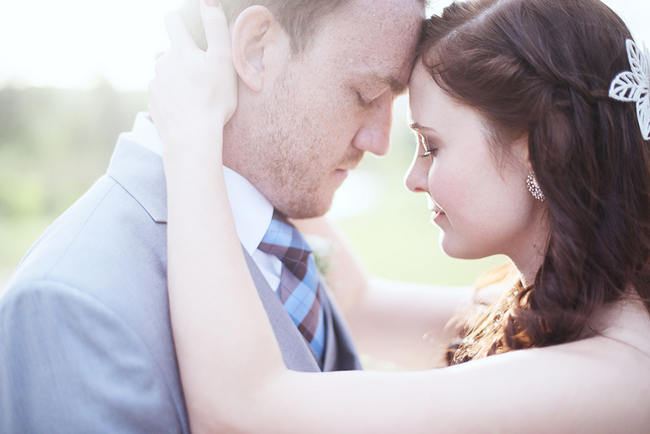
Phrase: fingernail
(212, 2)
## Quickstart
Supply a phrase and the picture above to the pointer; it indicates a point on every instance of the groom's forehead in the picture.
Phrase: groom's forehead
(380, 20)
(388, 63)
(377, 42)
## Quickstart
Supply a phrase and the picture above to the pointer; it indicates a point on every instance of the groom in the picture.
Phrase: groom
(85, 338)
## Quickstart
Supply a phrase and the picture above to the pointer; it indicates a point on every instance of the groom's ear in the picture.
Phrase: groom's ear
(260, 47)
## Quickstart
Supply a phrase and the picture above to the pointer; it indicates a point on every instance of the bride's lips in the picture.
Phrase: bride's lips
(436, 210)
(435, 216)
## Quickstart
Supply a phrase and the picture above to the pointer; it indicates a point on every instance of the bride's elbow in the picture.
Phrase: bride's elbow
(217, 422)
(235, 412)
(250, 407)
(217, 412)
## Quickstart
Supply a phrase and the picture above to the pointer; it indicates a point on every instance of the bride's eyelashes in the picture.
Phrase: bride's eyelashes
(429, 153)
(429, 150)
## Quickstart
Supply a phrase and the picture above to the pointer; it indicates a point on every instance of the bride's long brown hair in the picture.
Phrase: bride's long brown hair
(543, 68)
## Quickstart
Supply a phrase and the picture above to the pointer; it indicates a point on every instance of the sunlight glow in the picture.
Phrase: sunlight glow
(77, 43)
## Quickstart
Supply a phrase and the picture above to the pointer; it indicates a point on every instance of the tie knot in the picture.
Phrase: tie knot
(283, 240)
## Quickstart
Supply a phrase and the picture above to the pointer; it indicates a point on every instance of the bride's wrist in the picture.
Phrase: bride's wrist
(196, 149)
(186, 163)
(192, 174)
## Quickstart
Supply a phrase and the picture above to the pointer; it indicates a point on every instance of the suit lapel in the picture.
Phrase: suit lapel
(340, 352)
(140, 172)
(297, 356)
(330, 343)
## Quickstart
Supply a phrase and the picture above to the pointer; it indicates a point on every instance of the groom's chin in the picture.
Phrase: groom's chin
(307, 211)
(309, 207)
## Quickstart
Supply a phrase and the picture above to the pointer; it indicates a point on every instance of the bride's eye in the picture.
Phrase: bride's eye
(429, 151)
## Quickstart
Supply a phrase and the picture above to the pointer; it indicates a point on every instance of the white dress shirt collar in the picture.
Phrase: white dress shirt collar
(251, 210)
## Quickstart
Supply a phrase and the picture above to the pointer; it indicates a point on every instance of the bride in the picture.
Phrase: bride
(528, 145)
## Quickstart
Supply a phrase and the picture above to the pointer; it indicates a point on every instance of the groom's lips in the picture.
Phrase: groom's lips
(344, 169)
(341, 173)
(348, 168)
(351, 162)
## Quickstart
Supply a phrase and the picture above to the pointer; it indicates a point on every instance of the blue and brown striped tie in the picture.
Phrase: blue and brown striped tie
(300, 286)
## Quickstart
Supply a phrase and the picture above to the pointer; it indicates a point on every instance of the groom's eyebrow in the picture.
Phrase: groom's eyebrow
(398, 87)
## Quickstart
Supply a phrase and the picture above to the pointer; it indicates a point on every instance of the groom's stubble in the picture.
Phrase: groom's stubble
(285, 155)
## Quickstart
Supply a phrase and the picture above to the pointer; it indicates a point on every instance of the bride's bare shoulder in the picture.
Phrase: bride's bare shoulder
(597, 384)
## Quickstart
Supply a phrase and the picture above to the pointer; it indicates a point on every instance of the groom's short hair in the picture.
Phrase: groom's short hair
(299, 18)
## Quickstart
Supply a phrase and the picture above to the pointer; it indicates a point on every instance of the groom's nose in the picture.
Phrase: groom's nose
(374, 133)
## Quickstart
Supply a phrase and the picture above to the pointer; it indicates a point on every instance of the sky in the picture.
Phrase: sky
(76, 43)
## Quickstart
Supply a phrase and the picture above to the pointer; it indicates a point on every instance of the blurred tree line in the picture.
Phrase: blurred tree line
(55, 142)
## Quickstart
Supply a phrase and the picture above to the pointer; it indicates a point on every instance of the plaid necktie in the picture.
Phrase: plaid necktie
(300, 285)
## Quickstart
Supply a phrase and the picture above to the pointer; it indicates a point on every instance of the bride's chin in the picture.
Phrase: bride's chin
(458, 250)
(451, 252)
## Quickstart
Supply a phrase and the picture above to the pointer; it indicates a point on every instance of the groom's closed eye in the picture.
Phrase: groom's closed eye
(396, 86)
(375, 86)
(363, 101)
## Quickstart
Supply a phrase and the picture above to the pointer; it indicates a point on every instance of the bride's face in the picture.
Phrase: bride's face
(485, 206)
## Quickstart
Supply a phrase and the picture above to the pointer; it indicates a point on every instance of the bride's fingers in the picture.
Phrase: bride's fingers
(179, 37)
(152, 107)
(215, 25)
(160, 65)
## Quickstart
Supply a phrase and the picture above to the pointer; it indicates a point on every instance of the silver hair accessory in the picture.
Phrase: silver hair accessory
(534, 188)
(634, 85)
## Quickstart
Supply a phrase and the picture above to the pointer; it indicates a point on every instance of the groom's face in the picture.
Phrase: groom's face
(331, 104)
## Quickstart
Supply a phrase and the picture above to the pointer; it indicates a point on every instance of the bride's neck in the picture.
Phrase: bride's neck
(626, 321)
(627, 313)
(528, 251)
(530, 262)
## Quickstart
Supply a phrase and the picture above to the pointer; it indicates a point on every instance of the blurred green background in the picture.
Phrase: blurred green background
(55, 143)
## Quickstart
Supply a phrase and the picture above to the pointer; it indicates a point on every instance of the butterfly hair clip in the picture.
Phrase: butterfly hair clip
(634, 85)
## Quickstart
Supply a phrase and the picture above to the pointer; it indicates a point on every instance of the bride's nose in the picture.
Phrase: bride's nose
(416, 177)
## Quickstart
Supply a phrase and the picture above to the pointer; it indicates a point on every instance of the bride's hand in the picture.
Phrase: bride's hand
(194, 92)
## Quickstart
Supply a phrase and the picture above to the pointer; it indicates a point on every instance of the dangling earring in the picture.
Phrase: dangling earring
(534, 187)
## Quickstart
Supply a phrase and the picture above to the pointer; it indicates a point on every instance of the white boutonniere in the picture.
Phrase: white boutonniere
(322, 249)
(634, 85)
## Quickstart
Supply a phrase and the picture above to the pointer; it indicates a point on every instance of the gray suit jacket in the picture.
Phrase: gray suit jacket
(85, 338)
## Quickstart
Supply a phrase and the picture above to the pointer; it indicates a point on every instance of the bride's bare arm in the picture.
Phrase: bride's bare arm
(235, 381)
(220, 329)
